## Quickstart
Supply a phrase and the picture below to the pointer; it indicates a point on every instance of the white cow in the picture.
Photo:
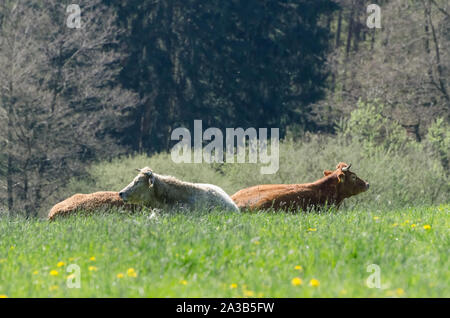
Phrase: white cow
(167, 192)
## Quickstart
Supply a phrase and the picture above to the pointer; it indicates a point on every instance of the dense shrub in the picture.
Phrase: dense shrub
(397, 178)
(401, 171)
(372, 129)
(438, 137)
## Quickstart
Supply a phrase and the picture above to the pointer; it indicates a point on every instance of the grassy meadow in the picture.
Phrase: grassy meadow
(401, 224)
(229, 255)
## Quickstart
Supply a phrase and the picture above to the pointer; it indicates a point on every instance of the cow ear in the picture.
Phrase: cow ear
(340, 165)
(327, 172)
(341, 177)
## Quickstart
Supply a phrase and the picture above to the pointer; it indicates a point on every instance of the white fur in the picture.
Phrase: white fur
(167, 192)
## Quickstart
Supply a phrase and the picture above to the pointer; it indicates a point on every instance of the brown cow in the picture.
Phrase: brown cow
(89, 202)
(334, 187)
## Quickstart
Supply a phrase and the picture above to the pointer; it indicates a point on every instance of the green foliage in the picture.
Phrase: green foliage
(201, 255)
(407, 177)
(439, 137)
(369, 126)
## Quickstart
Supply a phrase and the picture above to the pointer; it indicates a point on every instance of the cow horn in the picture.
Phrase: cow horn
(346, 168)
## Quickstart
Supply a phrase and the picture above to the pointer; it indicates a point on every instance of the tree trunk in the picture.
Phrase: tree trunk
(441, 79)
(427, 42)
(9, 183)
(350, 31)
(372, 40)
(141, 131)
(348, 45)
(339, 28)
(10, 168)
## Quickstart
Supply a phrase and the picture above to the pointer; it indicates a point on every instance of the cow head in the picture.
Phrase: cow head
(348, 183)
(140, 190)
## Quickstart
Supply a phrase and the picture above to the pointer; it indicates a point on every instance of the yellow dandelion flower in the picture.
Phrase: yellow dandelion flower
(256, 242)
(35, 272)
(3, 296)
(312, 229)
(389, 293)
(343, 292)
(183, 282)
(395, 224)
(413, 225)
(54, 287)
(376, 218)
(92, 268)
(233, 286)
(427, 227)
(120, 275)
(92, 258)
(399, 291)
(12, 247)
(407, 221)
(298, 267)
(131, 272)
(314, 283)
(60, 264)
(54, 272)
(248, 293)
(296, 281)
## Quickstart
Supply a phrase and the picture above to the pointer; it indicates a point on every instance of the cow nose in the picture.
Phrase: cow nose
(367, 185)
(121, 195)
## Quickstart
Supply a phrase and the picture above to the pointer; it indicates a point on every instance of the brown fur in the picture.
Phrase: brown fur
(89, 203)
(334, 187)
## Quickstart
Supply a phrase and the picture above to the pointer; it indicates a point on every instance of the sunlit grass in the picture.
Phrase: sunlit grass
(229, 255)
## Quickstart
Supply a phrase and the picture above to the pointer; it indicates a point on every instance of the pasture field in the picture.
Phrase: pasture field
(230, 255)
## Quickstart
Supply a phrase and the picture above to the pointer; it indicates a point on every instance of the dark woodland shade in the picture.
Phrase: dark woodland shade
(254, 63)
(141, 68)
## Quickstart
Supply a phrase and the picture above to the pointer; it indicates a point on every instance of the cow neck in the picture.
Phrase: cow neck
(170, 189)
(327, 187)
(326, 181)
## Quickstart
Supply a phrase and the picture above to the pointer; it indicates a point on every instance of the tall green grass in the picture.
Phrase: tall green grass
(401, 224)
(402, 178)
(229, 255)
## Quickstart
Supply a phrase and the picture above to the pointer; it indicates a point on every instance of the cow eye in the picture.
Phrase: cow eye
(353, 177)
